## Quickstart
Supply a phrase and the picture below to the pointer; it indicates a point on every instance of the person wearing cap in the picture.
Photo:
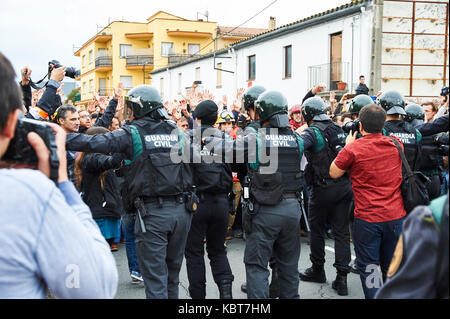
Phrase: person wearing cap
(394, 105)
(296, 117)
(213, 179)
(330, 198)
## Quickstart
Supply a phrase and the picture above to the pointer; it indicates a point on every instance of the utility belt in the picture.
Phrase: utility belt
(203, 195)
(180, 199)
(324, 182)
(189, 199)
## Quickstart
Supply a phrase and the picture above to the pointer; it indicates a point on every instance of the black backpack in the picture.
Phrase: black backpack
(414, 185)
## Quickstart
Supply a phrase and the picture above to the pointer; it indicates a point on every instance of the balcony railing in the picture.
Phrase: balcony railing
(133, 60)
(330, 74)
(105, 91)
(103, 61)
(178, 58)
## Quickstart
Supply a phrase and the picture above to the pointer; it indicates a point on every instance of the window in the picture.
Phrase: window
(252, 67)
(127, 82)
(219, 75)
(102, 52)
(197, 74)
(288, 62)
(161, 87)
(194, 49)
(125, 49)
(84, 88)
(91, 57)
(179, 82)
(166, 48)
(84, 61)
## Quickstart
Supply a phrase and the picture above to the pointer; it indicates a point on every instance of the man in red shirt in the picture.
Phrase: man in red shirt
(376, 175)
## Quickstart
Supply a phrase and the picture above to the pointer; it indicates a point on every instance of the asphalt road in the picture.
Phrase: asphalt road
(235, 249)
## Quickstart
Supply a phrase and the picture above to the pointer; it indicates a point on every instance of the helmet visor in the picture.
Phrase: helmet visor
(129, 100)
(396, 110)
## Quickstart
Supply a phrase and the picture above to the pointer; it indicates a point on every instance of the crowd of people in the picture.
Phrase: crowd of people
(338, 172)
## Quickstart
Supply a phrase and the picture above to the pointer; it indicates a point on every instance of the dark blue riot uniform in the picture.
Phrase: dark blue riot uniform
(158, 183)
(213, 180)
(330, 199)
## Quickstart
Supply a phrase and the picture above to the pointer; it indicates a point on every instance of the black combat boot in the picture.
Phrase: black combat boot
(314, 274)
(225, 289)
(340, 284)
(274, 288)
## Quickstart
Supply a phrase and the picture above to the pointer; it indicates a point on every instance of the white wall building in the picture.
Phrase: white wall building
(338, 45)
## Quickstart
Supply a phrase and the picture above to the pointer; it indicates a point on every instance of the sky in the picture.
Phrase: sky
(32, 33)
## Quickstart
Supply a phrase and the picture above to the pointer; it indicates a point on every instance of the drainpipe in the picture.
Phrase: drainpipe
(353, 38)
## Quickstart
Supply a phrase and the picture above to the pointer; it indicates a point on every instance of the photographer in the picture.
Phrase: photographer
(26, 87)
(49, 239)
(376, 175)
(50, 100)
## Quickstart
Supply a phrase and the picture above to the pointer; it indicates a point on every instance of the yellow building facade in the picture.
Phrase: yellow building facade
(128, 51)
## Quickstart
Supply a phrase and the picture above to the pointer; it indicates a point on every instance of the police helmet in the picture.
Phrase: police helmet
(414, 112)
(269, 104)
(143, 99)
(314, 109)
(251, 95)
(392, 102)
(225, 117)
(358, 103)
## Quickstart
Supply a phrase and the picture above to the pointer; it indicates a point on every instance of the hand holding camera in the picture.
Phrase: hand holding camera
(58, 74)
(26, 73)
(41, 145)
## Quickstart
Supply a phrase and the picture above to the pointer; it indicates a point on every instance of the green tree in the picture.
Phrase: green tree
(74, 96)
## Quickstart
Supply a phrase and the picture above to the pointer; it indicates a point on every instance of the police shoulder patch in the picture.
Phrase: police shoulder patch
(397, 258)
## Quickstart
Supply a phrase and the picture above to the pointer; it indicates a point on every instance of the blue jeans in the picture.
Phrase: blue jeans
(444, 185)
(374, 247)
(127, 224)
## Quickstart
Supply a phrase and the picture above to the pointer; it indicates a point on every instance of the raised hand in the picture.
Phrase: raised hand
(118, 91)
(25, 73)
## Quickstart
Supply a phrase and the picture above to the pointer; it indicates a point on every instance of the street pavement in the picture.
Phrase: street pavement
(235, 249)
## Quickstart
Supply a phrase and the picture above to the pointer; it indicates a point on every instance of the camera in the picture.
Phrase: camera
(71, 72)
(444, 92)
(351, 126)
(21, 151)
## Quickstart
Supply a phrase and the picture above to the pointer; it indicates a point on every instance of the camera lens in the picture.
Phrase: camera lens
(71, 72)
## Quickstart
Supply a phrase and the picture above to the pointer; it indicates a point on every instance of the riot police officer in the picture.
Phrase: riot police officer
(431, 156)
(394, 105)
(158, 187)
(249, 98)
(330, 199)
(213, 180)
(357, 103)
(274, 208)
(271, 211)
